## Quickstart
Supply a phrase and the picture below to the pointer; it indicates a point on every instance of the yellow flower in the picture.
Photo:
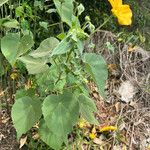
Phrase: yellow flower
(92, 135)
(81, 124)
(108, 128)
(122, 12)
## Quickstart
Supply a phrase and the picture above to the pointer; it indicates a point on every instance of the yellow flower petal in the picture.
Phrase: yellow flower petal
(122, 12)
(92, 136)
(115, 3)
(81, 124)
(108, 128)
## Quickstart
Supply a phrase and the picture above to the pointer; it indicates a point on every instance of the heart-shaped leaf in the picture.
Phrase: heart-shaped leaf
(12, 46)
(50, 138)
(45, 47)
(87, 109)
(61, 113)
(65, 10)
(97, 67)
(34, 65)
(25, 113)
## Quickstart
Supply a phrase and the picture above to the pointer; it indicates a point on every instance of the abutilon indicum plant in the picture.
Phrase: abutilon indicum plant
(62, 70)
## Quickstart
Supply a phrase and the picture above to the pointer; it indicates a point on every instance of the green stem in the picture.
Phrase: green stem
(54, 24)
(61, 23)
(97, 29)
(68, 56)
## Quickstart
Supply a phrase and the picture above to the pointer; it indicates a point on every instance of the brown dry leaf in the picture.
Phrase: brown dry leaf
(95, 95)
(131, 48)
(94, 130)
(5, 120)
(119, 147)
(1, 93)
(98, 141)
(112, 67)
(23, 141)
(118, 106)
(2, 136)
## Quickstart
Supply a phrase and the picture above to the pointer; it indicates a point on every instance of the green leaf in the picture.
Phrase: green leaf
(97, 67)
(51, 11)
(9, 47)
(62, 48)
(47, 81)
(65, 10)
(50, 138)
(44, 24)
(22, 93)
(87, 108)
(19, 11)
(80, 9)
(61, 113)
(25, 113)
(12, 47)
(45, 47)
(34, 65)
(80, 46)
(26, 43)
(61, 36)
(9, 23)
(3, 2)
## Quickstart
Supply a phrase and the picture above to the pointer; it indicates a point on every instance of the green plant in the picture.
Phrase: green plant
(62, 70)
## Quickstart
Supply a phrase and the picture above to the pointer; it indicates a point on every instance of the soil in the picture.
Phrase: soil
(7, 133)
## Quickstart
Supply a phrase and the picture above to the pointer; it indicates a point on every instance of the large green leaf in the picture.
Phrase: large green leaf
(65, 10)
(9, 47)
(87, 109)
(45, 47)
(25, 113)
(64, 46)
(97, 67)
(34, 65)
(12, 46)
(3, 2)
(23, 92)
(26, 42)
(61, 113)
(50, 138)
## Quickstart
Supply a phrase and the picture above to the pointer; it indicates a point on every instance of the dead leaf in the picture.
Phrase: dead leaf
(23, 141)
(131, 48)
(112, 67)
(2, 136)
(98, 141)
(5, 120)
(118, 106)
